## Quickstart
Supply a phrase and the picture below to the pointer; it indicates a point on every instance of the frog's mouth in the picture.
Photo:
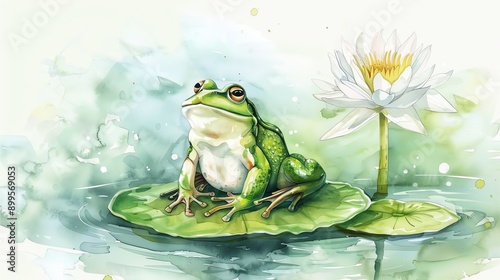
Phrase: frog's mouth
(216, 123)
(206, 111)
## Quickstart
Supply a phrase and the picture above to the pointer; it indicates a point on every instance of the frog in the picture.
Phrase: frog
(232, 149)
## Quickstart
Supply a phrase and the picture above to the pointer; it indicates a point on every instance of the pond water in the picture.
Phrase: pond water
(109, 245)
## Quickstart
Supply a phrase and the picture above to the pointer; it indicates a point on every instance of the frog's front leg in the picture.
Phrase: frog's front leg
(187, 192)
(253, 189)
(298, 177)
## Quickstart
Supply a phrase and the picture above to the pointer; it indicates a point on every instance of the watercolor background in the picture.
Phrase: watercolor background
(90, 105)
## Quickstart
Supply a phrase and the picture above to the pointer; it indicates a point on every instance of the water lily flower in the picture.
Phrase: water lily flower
(379, 77)
(386, 79)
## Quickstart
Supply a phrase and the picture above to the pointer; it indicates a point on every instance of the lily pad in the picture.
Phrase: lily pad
(392, 217)
(334, 203)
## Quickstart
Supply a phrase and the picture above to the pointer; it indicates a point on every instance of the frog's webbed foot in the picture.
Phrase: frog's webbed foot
(226, 217)
(186, 197)
(232, 202)
(278, 197)
(229, 198)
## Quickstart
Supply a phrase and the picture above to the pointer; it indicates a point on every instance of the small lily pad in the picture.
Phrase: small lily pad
(334, 203)
(392, 217)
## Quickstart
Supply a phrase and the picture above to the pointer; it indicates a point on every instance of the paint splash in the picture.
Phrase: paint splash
(480, 183)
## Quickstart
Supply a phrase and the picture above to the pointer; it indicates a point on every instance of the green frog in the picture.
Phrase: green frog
(239, 153)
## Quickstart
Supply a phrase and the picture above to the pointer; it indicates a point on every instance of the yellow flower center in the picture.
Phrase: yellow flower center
(390, 66)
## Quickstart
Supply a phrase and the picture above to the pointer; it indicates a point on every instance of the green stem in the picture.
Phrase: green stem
(383, 166)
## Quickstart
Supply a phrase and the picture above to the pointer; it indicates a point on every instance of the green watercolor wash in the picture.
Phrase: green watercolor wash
(452, 259)
(464, 104)
(392, 217)
(329, 113)
(335, 203)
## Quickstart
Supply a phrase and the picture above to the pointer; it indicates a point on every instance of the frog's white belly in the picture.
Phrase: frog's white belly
(216, 136)
(222, 169)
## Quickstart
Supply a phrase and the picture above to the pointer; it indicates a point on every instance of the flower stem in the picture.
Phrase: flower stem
(383, 166)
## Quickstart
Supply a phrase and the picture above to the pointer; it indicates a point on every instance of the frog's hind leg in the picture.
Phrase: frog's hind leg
(297, 192)
(273, 195)
(276, 202)
(297, 178)
(292, 205)
(200, 181)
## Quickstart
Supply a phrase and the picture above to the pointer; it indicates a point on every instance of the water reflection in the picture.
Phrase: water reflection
(121, 248)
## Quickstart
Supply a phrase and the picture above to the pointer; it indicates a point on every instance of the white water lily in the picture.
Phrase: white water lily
(384, 78)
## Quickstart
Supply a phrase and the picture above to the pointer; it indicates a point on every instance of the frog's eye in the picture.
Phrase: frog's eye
(198, 86)
(237, 94)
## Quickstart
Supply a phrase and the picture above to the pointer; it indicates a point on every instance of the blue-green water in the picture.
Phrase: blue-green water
(112, 246)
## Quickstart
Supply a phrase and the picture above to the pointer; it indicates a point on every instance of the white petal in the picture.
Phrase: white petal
(407, 119)
(382, 98)
(358, 78)
(348, 53)
(328, 94)
(347, 49)
(418, 50)
(408, 46)
(336, 71)
(379, 83)
(407, 99)
(421, 60)
(400, 85)
(392, 43)
(362, 47)
(324, 85)
(344, 65)
(434, 101)
(421, 79)
(345, 102)
(378, 45)
(351, 90)
(438, 79)
(353, 121)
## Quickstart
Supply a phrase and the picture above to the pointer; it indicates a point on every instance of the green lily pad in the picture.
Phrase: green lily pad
(334, 203)
(392, 217)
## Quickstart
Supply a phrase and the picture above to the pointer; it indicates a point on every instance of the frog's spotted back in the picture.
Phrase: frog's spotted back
(271, 140)
(266, 125)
